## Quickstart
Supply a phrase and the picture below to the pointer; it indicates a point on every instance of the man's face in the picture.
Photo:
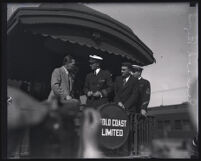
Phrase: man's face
(71, 65)
(136, 74)
(125, 72)
(94, 66)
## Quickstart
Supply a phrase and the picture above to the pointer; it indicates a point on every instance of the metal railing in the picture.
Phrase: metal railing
(142, 129)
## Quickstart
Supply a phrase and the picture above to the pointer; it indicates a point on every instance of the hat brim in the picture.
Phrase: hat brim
(137, 67)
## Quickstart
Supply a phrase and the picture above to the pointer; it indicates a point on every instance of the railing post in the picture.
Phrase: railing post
(136, 134)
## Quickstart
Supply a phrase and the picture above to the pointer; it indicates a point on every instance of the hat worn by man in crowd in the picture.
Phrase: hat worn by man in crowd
(95, 58)
(137, 67)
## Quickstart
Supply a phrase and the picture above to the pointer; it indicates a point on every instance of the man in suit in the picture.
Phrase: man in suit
(98, 84)
(126, 96)
(62, 80)
(144, 90)
(126, 89)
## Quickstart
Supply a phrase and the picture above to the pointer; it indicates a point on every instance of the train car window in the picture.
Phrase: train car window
(186, 124)
(178, 124)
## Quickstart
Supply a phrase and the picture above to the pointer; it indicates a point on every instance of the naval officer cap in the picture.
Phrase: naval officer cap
(137, 68)
(95, 58)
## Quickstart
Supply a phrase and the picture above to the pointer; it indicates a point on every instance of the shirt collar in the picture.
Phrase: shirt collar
(97, 71)
(127, 78)
(139, 78)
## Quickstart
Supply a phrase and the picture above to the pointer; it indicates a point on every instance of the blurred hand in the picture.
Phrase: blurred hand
(64, 99)
(89, 134)
(121, 105)
(68, 97)
(97, 94)
(89, 93)
(23, 110)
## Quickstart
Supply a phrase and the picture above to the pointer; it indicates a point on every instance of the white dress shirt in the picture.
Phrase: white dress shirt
(97, 71)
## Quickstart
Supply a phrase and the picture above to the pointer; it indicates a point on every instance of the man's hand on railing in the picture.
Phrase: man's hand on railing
(121, 105)
(141, 115)
(143, 112)
(97, 94)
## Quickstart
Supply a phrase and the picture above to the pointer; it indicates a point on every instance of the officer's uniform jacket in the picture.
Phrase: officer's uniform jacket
(101, 82)
(144, 93)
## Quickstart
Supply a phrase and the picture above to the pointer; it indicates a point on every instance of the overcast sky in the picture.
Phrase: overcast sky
(170, 31)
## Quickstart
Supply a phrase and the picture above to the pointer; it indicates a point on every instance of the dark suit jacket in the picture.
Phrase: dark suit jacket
(128, 93)
(101, 82)
(144, 94)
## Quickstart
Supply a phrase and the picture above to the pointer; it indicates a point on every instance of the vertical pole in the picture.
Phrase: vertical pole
(135, 134)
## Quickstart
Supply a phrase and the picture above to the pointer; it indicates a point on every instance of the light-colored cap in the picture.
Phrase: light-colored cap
(96, 57)
(137, 67)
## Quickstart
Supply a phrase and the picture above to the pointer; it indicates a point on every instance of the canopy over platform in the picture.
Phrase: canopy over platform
(78, 24)
(39, 37)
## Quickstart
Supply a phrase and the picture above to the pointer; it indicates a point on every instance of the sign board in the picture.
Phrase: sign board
(114, 126)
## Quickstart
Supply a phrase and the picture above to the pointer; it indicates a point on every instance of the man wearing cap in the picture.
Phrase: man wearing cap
(144, 90)
(98, 84)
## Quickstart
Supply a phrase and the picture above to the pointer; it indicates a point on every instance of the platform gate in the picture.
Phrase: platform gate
(143, 133)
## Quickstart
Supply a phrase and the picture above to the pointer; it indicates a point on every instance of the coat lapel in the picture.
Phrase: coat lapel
(127, 83)
(67, 79)
(99, 73)
(64, 74)
(122, 87)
